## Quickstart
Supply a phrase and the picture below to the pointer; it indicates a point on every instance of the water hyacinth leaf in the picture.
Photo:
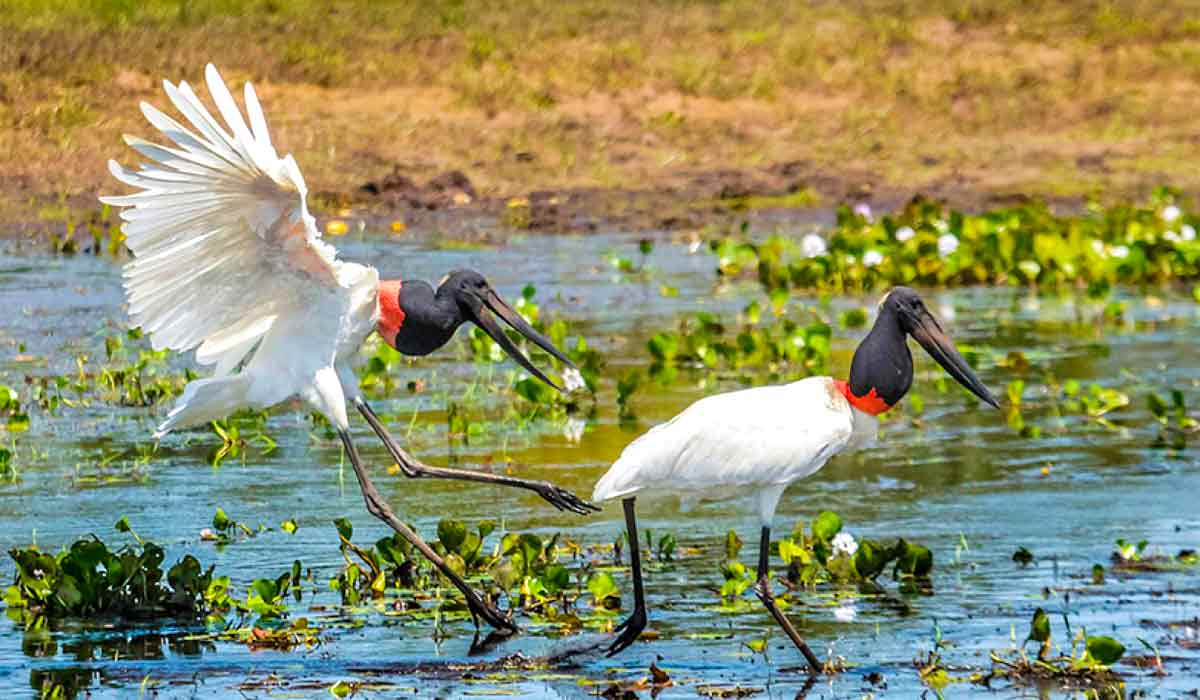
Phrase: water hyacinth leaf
(870, 559)
(1039, 627)
(556, 579)
(733, 545)
(914, 560)
(605, 593)
(1104, 650)
(485, 528)
(220, 521)
(341, 689)
(452, 534)
(289, 526)
(506, 573)
(345, 528)
(666, 547)
(827, 525)
(122, 525)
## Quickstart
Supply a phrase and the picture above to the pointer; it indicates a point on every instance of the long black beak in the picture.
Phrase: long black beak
(928, 332)
(492, 301)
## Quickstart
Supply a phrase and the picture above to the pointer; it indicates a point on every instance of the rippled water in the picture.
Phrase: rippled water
(957, 478)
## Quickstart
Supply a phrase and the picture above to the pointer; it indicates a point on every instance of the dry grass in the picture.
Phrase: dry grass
(1047, 98)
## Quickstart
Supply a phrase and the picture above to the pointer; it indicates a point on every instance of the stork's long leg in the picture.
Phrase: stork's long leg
(632, 627)
(762, 588)
(559, 498)
(379, 508)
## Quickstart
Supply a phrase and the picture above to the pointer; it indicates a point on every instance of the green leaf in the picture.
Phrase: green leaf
(915, 560)
(556, 578)
(122, 525)
(451, 533)
(220, 521)
(1023, 556)
(341, 689)
(345, 528)
(826, 526)
(870, 559)
(1104, 650)
(289, 526)
(733, 545)
(603, 588)
(1039, 626)
(485, 528)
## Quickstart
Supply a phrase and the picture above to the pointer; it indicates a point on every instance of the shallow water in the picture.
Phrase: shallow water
(957, 474)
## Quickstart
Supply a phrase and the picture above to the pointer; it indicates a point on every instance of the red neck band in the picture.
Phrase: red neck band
(391, 316)
(872, 403)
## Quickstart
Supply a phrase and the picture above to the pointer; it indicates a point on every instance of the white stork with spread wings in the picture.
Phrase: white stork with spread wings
(228, 260)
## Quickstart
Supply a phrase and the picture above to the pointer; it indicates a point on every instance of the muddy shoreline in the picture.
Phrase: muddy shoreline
(783, 195)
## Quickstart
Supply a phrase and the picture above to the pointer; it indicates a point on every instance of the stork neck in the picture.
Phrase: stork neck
(430, 318)
(882, 370)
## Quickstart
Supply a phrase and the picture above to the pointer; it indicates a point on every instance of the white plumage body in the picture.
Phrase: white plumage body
(229, 261)
(760, 439)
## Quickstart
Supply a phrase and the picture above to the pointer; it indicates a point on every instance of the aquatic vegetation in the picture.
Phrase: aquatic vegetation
(233, 444)
(1086, 665)
(90, 580)
(825, 553)
(1175, 424)
(1134, 557)
(96, 234)
(781, 346)
(925, 244)
(225, 529)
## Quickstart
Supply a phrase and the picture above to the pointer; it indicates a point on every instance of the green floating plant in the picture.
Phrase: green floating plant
(928, 245)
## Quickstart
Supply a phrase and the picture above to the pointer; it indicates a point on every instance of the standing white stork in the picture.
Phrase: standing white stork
(228, 260)
(763, 439)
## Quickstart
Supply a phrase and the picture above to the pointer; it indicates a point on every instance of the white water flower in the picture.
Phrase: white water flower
(863, 209)
(946, 311)
(813, 246)
(1098, 247)
(845, 613)
(573, 430)
(1187, 232)
(843, 543)
(871, 258)
(905, 233)
(1170, 213)
(1119, 251)
(1172, 237)
(572, 379)
(947, 244)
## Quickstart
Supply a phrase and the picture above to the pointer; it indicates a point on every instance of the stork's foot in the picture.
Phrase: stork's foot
(480, 610)
(629, 631)
(563, 499)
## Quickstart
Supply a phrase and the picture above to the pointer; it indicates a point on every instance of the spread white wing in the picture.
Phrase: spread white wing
(222, 238)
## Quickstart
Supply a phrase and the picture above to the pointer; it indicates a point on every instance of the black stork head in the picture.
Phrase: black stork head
(416, 320)
(882, 370)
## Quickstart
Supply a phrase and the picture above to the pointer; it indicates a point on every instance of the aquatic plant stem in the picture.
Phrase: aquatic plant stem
(632, 627)
(379, 508)
(762, 588)
(412, 468)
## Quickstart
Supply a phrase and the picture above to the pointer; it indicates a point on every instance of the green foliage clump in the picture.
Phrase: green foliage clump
(925, 244)
(88, 579)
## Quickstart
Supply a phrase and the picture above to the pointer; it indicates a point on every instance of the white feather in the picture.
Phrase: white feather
(759, 439)
(228, 258)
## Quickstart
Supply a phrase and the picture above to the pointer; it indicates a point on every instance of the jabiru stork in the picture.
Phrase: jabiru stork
(761, 440)
(228, 260)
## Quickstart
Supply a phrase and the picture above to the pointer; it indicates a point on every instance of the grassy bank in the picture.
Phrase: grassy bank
(949, 97)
